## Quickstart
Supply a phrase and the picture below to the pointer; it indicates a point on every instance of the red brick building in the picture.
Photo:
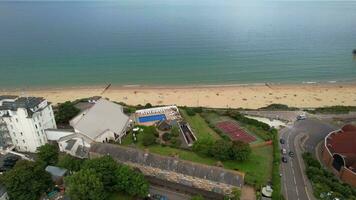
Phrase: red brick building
(339, 153)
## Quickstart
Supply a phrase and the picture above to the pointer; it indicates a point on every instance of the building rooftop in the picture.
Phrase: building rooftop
(19, 102)
(103, 116)
(343, 143)
(56, 171)
(125, 154)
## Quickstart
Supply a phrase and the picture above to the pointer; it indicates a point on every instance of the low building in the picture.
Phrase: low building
(172, 169)
(23, 121)
(339, 153)
(103, 122)
(57, 174)
(3, 193)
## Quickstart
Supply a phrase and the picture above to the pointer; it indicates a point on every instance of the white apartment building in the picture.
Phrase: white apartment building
(23, 121)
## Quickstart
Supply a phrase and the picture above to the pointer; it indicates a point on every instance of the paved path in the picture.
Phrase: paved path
(295, 185)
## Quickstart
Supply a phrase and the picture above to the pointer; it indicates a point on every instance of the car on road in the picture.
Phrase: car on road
(284, 151)
(282, 141)
(284, 159)
(159, 197)
(301, 116)
(291, 154)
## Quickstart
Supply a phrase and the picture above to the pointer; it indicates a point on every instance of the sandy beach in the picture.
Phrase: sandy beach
(222, 96)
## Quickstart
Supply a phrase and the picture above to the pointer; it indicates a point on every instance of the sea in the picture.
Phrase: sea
(175, 42)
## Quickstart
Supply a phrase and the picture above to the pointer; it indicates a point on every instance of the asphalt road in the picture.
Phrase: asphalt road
(294, 182)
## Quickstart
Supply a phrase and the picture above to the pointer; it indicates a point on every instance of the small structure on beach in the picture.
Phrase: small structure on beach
(354, 52)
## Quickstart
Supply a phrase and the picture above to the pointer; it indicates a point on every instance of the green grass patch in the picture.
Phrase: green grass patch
(257, 168)
(199, 126)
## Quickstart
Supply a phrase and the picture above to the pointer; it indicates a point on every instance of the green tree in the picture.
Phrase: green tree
(48, 154)
(235, 194)
(85, 185)
(175, 131)
(148, 138)
(26, 181)
(131, 182)
(65, 112)
(69, 162)
(240, 150)
(221, 150)
(203, 146)
(166, 137)
(104, 167)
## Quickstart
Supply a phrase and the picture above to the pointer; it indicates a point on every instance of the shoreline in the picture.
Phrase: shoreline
(188, 86)
(252, 96)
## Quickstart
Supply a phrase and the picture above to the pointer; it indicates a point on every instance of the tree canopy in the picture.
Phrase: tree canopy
(85, 185)
(48, 154)
(65, 112)
(26, 181)
(69, 162)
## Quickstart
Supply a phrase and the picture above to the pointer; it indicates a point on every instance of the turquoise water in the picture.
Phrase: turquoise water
(175, 42)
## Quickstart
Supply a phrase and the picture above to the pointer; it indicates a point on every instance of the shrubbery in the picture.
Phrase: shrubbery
(333, 110)
(65, 112)
(222, 149)
(102, 175)
(277, 106)
(325, 185)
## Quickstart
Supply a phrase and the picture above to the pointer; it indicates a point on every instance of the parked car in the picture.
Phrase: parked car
(284, 159)
(282, 141)
(159, 197)
(301, 116)
(291, 154)
(283, 151)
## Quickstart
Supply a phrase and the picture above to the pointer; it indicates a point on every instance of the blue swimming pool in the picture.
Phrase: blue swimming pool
(152, 118)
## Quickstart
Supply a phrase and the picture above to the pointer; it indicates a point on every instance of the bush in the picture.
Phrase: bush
(148, 105)
(65, 112)
(276, 179)
(198, 109)
(166, 137)
(276, 106)
(240, 151)
(151, 130)
(202, 146)
(334, 110)
(190, 112)
(324, 182)
(148, 139)
(175, 131)
(176, 142)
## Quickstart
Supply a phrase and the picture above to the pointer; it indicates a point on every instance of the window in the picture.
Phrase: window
(17, 120)
(17, 141)
(40, 124)
(23, 141)
(36, 126)
(38, 134)
(21, 133)
(14, 134)
(11, 126)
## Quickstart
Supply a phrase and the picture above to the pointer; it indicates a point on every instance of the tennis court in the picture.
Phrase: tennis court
(235, 132)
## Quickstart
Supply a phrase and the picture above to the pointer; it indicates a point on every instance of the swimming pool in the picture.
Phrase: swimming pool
(152, 118)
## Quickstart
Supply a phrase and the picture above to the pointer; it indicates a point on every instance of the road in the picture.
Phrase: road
(295, 185)
(170, 194)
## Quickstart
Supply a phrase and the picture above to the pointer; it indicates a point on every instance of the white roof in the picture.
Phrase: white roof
(103, 116)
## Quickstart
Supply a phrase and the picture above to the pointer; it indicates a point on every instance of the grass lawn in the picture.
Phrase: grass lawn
(120, 196)
(199, 126)
(257, 169)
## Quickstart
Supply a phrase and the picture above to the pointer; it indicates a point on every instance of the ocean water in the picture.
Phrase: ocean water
(175, 42)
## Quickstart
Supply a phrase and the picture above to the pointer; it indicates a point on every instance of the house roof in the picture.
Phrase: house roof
(343, 143)
(103, 116)
(56, 171)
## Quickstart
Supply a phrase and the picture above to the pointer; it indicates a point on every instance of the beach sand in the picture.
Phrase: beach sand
(219, 96)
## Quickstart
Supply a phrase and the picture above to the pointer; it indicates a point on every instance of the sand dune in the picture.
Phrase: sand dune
(234, 96)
